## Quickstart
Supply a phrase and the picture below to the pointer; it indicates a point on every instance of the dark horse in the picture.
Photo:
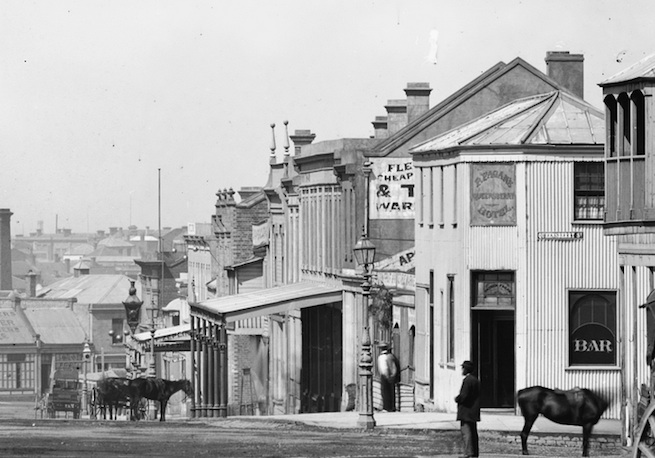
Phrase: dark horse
(157, 389)
(112, 393)
(578, 406)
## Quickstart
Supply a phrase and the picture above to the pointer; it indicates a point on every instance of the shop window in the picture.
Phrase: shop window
(589, 192)
(592, 328)
(494, 289)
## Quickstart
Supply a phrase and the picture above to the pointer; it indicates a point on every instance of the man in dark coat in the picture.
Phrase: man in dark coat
(468, 409)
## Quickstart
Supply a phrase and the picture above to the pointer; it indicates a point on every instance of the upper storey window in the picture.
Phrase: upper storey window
(625, 156)
(589, 191)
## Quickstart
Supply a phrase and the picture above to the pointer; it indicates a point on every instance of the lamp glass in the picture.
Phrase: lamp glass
(364, 251)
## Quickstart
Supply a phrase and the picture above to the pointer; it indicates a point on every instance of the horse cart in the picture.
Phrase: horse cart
(644, 437)
(64, 394)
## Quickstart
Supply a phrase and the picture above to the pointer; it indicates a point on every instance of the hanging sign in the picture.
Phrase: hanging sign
(260, 234)
(493, 194)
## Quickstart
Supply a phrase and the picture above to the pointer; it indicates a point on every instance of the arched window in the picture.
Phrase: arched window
(626, 137)
(592, 328)
(639, 128)
(611, 120)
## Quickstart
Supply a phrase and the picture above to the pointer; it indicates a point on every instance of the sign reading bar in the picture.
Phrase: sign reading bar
(493, 194)
(559, 235)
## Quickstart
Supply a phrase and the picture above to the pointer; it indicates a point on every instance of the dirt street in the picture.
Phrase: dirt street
(23, 435)
(231, 438)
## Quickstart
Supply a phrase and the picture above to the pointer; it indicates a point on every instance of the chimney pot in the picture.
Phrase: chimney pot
(418, 100)
(380, 126)
(396, 115)
(301, 138)
(567, 69)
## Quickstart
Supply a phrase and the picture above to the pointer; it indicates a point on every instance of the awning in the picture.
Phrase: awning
(175, 305)
(271, 300)
(174, 332)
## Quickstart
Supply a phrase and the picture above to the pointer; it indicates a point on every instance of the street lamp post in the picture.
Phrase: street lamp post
(132, 309)
(365, 255)
(86, 356)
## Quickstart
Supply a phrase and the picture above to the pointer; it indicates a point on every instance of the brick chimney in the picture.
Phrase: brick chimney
(380, 125)
(5, 249)
(31, 283)
(418, 100)
(396, 115)
(301, 138)
(567, 69)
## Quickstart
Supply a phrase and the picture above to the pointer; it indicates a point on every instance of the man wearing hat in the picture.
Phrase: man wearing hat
(468, 409)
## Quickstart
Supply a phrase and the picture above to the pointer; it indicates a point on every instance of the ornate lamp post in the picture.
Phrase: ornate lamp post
(132, 308)
(86, 357)
(365, 255)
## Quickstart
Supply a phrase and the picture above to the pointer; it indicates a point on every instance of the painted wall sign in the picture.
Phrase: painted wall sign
(592, 344)
(10, 325)
(493, 194)
(260, 234)
(391, 189)
(399, 262)
(560, 235)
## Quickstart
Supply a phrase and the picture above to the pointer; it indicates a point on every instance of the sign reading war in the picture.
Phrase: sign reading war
(391, 189)
(493, 194)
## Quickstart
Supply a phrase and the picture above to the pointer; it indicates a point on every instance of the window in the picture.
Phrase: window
(117, 328)
(589, 193)
(450, 354)
(592, 328)
(494, 289)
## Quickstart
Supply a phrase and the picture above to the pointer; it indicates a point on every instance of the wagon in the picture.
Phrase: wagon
(64, 394)
(644, 438)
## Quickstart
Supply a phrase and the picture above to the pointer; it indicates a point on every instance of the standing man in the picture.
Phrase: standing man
(468, 409)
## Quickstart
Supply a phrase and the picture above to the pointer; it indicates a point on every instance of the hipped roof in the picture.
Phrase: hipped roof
(644, 69)
(555, 118)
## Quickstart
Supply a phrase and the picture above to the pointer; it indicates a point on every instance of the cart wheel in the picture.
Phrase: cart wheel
(644, 441)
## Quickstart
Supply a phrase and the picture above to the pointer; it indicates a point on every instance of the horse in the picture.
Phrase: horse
(112, 393)
(156, 389)
(578, 406)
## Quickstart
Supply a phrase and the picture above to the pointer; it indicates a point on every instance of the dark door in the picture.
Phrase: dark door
(322, 355)
(493, 344)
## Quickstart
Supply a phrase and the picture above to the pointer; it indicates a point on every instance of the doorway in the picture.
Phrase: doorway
(493, 351)
(322, 356)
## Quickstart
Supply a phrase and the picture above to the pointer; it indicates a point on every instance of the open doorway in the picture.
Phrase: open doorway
(493, 350)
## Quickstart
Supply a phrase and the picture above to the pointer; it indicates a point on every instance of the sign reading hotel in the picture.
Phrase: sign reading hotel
(493, 194)
(391, 189)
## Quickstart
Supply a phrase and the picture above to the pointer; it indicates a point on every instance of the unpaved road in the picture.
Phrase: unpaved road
(235, 438)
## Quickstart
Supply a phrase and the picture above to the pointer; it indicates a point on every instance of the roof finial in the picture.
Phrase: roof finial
(286, 137)
(272, 140)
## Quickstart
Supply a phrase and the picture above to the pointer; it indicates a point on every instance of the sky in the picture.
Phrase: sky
(99, 100)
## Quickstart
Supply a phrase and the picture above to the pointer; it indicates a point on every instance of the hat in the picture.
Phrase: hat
(468, 365)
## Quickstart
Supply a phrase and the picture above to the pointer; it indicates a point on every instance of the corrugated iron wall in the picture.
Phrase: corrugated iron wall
(554, 267)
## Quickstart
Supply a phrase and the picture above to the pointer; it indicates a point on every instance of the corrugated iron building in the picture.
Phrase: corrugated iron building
(630, 218)
(512, 269)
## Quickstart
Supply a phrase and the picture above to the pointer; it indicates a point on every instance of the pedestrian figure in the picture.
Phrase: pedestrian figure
(468, 409)
(389, 370)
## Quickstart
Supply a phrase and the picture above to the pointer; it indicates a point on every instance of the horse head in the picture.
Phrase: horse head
(187, 387)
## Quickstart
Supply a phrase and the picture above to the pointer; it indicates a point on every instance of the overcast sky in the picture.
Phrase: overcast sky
(96, 96)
